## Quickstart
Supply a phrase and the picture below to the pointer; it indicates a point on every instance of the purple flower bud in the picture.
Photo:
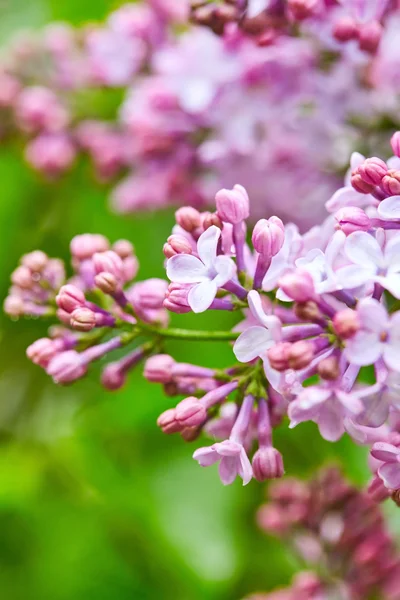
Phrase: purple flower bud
(391, 183)
(176, 244)
(299, 286)
(346, 323)
(267, 464)
(51, 154)
(83, 319)
(359, 184)
(168, 423)
(130, 267)
(345, 29)
(36, 261)
(300, 354)
(123, 248)
(352, 219)
(84, 246)
(278, 356)
(148, 294)
(209, 219)
(233, 206)
(190, 412)
(395, 143)
(43, 350)
(176, 298)
(158, 368)
(112, 377)
(329, 368)
(67, 367)
(69, 298)
(373, 170)
(108, 262)
(106, 282)
(22, 277)
(272, 519)
(307, 311)
(302, 9)
(268, 236)
(188, 218)
(370, 36)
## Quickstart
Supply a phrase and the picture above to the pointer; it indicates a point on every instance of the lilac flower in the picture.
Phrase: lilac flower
(321, 264)
(209, 271)
(389, 472)
(327, 406)
(378, 336)
(389, 208)
(371, 263)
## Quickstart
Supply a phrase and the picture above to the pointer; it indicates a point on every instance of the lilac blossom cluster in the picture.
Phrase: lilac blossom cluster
(201, 111)
(319, 317)
(339, 535)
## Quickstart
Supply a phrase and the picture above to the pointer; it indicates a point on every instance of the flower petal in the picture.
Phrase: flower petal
(373, 315)
(390, 474)
(245, 469)
(270, 322)
(363, 349)
(207, 245)
(391, 283)
(391, 353)
(307, 405)
(252, 343)
(330, 421)
(346, 196)
(206, 456)
(228, 469)
(201, 296)
(186, 268)
(392, 255)
(225, 268)
(227, 448)
(353, 276)
(363, 250)
(385, 452)
(350, 402)
(389, 208)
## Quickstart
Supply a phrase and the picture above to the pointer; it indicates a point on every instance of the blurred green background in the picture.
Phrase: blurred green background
(95, 503)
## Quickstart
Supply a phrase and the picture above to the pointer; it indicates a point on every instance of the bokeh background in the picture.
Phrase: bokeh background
(95, 503)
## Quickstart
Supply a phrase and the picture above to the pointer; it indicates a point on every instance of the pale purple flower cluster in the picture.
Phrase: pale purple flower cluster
(340, 536)
(317, 309)
(201, 111)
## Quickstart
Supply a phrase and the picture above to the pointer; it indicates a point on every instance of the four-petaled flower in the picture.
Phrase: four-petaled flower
(210, 271)
(233, 460)
(389, 472)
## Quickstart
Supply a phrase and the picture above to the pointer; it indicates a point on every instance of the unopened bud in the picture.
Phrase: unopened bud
(300, 354)
(395, 143)
(168, 423)
(373, 170)
(267, 464)
(22, 277)
(391, 183)
(108, 262)
(106, 282)
(369, 37)
(360, 185)
(190, 412)
(158, 368)
(84, 246)
(302, 9)
(210, 219)
(329, 369)
(35, 261)
(176, 244)
(123, 248)
(345, 29)
(188, 218)
(299, 286)
(278, 356)
(352, 219)
(233, 205)
(69, 298)
(346, 323)
(307, 311)
(112, 378)
(83, 319)
(268, 236)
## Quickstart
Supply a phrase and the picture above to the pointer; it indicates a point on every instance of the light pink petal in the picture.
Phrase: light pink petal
(228, 469)
(225, 268)
(389, 208)
(391, 353)
(373, 315)
(227, 448)
(205, 456)
(376, 409)
(330, 422)
(245, 470)
(385, 452)
(363, 349)
(391, 283)
(200, 296)
(390, 473)
(253, 342)
(207, 245)
(353, 276)
(186, 268)
(350, 402)
(334, 247)
(346, 196)
(392, 255)
(274, 377)
(363, 250)
(254, 7)
(364, 435)
(271, 322)
(307, 405)
(356, 159)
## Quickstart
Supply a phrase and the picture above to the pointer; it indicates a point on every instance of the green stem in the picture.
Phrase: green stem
(190, 334)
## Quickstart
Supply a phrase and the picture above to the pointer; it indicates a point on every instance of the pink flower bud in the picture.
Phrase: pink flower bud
(267, 464)
(352, 219)
(51, 154)
(299, 286)
(148, 294)
(158, 368)
(391, 183)
(395, 143)
(84, 246)
(123, 248)
(278, 356)
(70, 297)
(300, 354)
(168, 423)
(272, 519)
(66, 367)
(176, 298)
(188, 218)
(307, 311)
(190, 412)
(36, 261)
(112, 378)
(22, 277)
(106, 282)
(108, 262)
(39, 108)
(83, 319)
(373, 170)
(210, 219)
(359, 184)
(176, 244)
(268, 236)
(345, 29)
(346, 323)
(14, 306)
(370, 36)
(302, 9)
(42, 351)
(233, 205)
(329, 369)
